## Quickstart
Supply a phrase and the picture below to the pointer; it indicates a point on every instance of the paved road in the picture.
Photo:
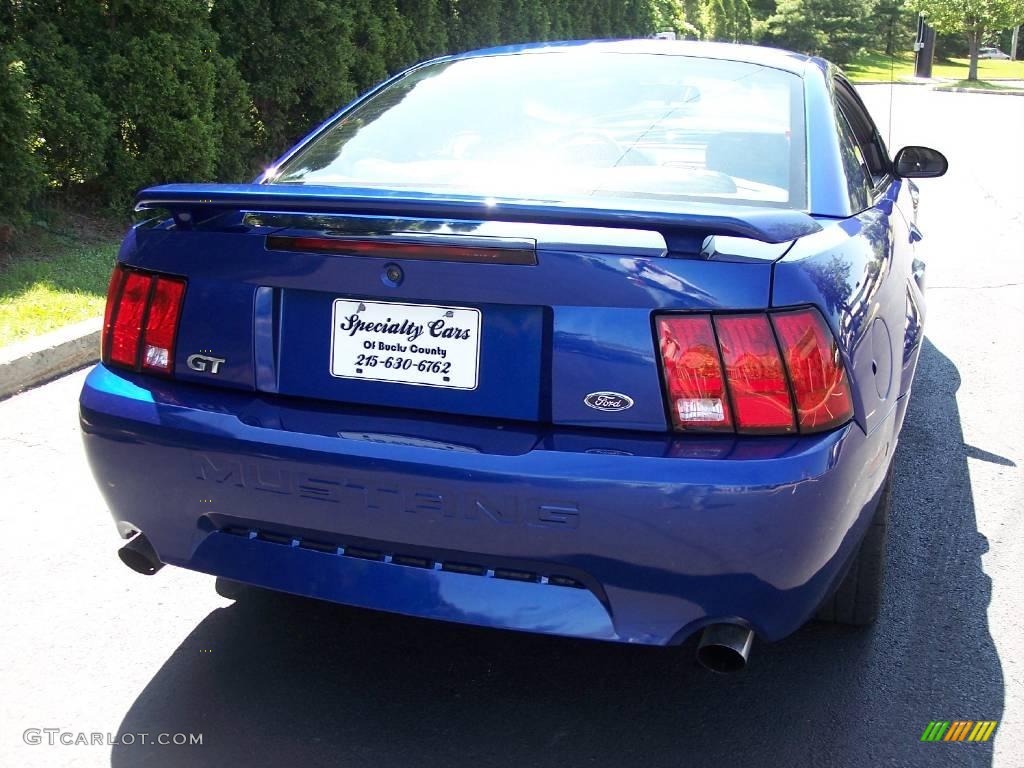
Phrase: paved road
(89, 646)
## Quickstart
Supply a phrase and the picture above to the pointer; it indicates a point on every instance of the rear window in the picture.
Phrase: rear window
(567, 125)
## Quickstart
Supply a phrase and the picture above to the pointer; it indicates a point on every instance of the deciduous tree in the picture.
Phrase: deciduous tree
(973, 18)
(727, 20)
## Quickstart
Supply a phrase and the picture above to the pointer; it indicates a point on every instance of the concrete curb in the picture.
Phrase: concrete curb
(938, 85)
(890, 82)
(993, 92)
(41, 358)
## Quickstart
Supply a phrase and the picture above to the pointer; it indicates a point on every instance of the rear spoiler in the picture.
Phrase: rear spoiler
(202, 201)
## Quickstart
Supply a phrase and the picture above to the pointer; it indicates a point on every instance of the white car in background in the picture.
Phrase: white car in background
(992, 53)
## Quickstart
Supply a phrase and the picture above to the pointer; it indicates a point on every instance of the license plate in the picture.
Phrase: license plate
(415, 344)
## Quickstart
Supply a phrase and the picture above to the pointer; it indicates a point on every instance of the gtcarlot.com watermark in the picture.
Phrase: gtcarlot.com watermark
(59, 736)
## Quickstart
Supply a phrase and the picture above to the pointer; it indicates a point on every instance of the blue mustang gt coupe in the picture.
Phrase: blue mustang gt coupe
(608, 340)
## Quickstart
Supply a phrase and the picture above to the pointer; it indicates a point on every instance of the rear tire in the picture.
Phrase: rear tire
(858, 598)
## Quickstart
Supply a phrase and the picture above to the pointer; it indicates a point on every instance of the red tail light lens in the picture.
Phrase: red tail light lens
(162, 324)
(141, 320)
(113, 296)
(445, 249)
(128, 314)
(757, 381)
(764, 373)
(693, 373)
(819, 380)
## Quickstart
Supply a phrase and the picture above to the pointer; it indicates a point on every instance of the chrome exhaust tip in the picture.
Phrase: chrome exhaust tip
(724, 648)
(139, 555)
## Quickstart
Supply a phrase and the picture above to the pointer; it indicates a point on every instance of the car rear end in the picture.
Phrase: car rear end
(577, 414)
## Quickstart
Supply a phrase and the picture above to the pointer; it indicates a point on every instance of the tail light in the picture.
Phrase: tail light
(766, 373)
(140, 322)
(425, 246)
(820, 387)
(693, 373)
(757, 380)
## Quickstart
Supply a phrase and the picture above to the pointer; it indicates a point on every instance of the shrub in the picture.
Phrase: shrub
(108, 97)
(20, 178)
(295, 55)
(75, 128)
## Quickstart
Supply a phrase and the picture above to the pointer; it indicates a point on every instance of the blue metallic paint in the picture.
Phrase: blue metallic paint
(598, 305)
(857, 271)
(511, 373)
(666, 533)
(826, 186)
(201, 201)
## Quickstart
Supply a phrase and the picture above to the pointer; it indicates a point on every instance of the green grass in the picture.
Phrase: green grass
(875, 67)
(53, 279)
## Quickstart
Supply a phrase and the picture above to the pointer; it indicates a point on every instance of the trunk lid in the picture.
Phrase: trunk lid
(509, 309)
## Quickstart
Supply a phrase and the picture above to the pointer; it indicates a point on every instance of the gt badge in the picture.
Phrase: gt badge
(204, 363)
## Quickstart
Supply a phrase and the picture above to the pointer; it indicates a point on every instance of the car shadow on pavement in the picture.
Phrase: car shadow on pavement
(274, 680)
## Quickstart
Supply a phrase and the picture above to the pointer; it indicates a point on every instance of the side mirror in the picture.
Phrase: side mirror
(919, 163)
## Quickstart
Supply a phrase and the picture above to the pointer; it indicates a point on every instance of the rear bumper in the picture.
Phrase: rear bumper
(628, 537)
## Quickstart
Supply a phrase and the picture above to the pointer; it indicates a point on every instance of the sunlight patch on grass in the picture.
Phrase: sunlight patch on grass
(988, 69)
(40, 294)
(877, 67)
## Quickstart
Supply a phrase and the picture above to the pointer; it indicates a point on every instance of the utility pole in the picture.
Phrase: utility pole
(925, 47)
(1013, 43)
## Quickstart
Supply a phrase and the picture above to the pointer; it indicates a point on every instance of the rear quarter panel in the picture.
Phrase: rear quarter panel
(858, 272)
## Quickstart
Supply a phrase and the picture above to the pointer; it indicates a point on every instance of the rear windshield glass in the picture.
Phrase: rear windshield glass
(569, 125)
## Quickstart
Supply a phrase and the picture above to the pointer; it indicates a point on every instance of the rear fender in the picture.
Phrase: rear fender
(856, 271)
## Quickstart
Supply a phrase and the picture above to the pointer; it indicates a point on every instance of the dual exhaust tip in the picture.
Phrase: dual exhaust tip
(139, 555)
(723, 648)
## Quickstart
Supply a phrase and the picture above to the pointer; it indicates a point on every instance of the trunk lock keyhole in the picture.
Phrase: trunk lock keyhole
(392, 276)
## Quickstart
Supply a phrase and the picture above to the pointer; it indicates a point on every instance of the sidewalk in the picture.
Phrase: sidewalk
(38, 359)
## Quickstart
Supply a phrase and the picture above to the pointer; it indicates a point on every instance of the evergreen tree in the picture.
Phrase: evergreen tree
(236, 121)
(161, 78)
(835, 29)
(478, 24)
(75, 129)
(20, 177)
(428, 27)
(373, 46)
(297, 58)
(100, 98)
(537, 20)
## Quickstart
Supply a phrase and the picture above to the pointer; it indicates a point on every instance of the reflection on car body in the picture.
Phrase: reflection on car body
(683, 315)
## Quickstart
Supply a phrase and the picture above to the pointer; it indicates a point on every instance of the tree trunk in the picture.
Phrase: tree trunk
(974, 40)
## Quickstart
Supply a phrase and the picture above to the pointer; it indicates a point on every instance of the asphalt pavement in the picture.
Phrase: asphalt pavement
(86, 646)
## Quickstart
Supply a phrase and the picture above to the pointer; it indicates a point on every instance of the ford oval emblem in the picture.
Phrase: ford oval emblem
(608, 401)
